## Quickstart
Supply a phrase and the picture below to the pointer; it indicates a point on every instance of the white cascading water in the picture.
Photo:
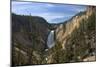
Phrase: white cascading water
(50, 40)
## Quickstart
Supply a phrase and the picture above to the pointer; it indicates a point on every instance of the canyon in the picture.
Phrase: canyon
(35, 41)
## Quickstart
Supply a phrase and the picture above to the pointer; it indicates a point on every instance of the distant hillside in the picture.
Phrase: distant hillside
(29, 33)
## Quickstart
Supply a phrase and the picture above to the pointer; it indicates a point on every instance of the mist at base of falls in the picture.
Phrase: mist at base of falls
(50, 39)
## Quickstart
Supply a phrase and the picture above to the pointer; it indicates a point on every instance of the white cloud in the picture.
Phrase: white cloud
(51, 16)
(47, 10)
(50, 5)
(19, 3)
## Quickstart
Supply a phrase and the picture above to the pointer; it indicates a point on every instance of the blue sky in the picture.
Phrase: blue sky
(53, 13)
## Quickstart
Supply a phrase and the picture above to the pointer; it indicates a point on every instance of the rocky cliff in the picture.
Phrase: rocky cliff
(64, 30)
(75, 39)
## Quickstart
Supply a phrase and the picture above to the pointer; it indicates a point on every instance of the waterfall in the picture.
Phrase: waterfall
(50, 40)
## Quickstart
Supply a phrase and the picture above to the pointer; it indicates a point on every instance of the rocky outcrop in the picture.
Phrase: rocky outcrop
(64, 30)
(75, 39)
(78, 35)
